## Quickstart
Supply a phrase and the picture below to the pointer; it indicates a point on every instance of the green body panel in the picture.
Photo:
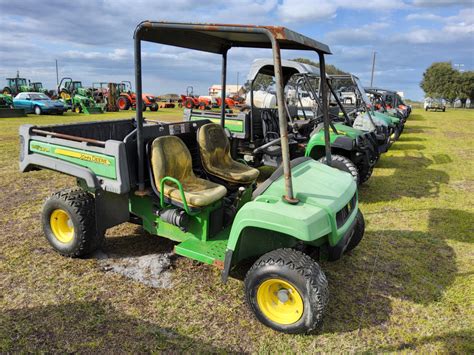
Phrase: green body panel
(196, 242)
(390, 120)
(101, 164)
(265, 223)
(233, 125)
(318, 138)
(322, 192)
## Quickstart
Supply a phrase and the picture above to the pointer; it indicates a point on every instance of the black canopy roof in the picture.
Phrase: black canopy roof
(217, 38)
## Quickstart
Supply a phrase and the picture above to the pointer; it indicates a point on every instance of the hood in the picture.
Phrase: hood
(389, 119)
(347, 130)
(318, 185)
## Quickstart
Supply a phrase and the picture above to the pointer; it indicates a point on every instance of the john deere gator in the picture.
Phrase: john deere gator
(179, 181)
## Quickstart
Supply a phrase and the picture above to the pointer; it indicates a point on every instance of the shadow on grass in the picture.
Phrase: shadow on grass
(404, 138)
(416, 117)
(413, 177)
(460, 342)
(138, 244)
(407, 146)
(89, 327)
(411, 265)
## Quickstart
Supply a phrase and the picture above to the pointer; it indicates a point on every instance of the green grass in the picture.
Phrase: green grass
(409, 286)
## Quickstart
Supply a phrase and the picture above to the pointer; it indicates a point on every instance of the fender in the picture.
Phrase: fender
(337, 141)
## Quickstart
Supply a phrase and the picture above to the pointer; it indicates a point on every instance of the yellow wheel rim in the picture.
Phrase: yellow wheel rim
(279, 301)
(65, 96)
(78, 109)
(61, 225)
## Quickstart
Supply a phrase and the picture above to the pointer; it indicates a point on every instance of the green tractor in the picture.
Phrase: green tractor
(16, 85)
(77, 97)
(7, 108)
(37, 86)
(179, 181)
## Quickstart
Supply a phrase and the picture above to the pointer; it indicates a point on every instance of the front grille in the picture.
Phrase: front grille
(345, 212)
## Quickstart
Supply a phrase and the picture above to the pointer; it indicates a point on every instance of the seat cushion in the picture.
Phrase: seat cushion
(216, 159)
(198, 192)
(171, 157)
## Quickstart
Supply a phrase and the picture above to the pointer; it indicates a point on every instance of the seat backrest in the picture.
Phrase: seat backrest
(213, 145)
(170, 157)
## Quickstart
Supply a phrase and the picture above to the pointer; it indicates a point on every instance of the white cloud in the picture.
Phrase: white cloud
(365, 34)
(423, 17)
(317, 10)
(306, 10)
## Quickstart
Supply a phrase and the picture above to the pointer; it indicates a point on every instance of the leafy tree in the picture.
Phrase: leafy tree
(465, 87)
(440, 80)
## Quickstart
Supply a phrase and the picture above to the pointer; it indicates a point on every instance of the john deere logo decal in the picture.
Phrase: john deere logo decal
(82, 156)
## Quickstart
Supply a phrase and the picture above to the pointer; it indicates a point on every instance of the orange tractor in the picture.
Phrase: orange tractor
(128, 99)
(191, 101)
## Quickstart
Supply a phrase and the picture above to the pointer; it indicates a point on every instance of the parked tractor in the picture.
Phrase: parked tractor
(191, 101)
(7, 108)
(179, 181)
(128, 99)
(16, 85)
(77, 97)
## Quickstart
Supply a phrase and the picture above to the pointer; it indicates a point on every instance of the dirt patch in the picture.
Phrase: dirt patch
(152, 270)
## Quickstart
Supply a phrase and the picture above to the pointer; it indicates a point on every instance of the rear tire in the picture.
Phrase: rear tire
(69, 224)
(123, 103)
(359, 230)
(344, 164)
(189, 104)
(287, 291)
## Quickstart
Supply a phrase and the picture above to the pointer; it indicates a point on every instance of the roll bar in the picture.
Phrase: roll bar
(218, 39)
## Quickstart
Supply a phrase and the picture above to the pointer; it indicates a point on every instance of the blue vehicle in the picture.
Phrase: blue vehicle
(38, 103)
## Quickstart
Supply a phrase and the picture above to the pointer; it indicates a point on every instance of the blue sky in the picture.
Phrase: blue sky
(92, 39)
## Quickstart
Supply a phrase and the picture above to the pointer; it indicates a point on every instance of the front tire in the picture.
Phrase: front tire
(37, 110)
(344, 164)
(359, 230)
(287, 291)
(69, 224)
(154, 107)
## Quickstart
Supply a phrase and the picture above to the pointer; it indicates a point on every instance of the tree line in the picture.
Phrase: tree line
(442, 81)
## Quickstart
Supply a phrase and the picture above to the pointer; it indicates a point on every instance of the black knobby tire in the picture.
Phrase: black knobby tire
(80, 207)
(303, 273)
(359, 230)
(344, 164)
(365, 174)
(154, 107)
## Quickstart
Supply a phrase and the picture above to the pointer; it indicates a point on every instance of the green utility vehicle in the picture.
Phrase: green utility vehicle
(179, 181)
(361, 112)
(77, 97)
(255, 132)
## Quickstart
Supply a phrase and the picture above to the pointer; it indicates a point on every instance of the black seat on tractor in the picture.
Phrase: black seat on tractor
(216, 159)
(170, 157)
